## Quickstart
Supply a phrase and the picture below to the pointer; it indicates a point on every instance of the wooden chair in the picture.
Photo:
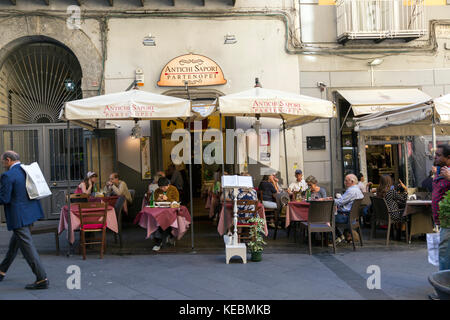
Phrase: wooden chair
(243, 226)
(78, 197)
(93, 221)
(40, 227)
(320, 219)
(381, 215)
(353, 221)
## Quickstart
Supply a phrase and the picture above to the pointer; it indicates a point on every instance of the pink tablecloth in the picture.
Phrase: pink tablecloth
(223, 226)
(111, 220)
(296, 211)
(111, 200)
(152, 218)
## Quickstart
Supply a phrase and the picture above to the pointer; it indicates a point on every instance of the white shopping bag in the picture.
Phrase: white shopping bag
(36, 185)
(433, 248)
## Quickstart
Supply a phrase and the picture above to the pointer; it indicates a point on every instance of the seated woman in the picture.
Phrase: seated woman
(316, 191)
(395, 197)
(88, 185)
(269, 193)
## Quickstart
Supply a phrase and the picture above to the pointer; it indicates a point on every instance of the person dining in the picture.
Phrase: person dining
(316, 191)
(300, 185)
(362, 184)
(117, 187)
(395, 197)
(166, 192)
(344, 203)
(88, 185)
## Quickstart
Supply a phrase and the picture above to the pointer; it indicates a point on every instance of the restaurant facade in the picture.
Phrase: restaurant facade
(66, 53)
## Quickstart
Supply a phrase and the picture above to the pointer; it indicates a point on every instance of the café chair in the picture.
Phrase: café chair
(40, 227)
(320, 219)
(93, 221)
(243, 226)
(78, 197)
(353, 222)
(380, 214)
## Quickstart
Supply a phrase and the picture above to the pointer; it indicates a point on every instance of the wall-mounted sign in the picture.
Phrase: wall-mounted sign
(197, 70)
(315, 143)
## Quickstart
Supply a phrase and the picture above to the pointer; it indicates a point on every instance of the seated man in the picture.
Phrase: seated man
(345, 202)
(299, 185)
(166, 192)
(116, 187)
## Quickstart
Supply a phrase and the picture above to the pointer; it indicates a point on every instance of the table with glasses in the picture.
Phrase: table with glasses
(421, 217)
(226, 220)
(111, 219)
(110, 200)
(151, 218)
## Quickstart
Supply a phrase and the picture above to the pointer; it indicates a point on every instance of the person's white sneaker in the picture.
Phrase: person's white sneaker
(156, 248)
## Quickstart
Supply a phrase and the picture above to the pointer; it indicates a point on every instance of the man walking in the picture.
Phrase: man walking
(20, 213)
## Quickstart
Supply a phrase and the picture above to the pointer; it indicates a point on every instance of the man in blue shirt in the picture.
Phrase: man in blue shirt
(20, 213)
(345, 202)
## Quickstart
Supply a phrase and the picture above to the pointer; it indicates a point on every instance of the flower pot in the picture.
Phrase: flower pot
(256, 256)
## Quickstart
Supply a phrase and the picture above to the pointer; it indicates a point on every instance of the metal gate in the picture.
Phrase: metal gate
(46, 144)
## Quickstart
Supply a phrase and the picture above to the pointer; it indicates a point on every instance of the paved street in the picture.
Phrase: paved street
(404, 272)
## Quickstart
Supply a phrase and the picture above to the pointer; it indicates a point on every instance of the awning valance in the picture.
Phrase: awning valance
(411, 120)
(378, 100)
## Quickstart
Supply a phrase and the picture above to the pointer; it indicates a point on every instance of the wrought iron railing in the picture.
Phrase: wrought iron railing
(380, 19)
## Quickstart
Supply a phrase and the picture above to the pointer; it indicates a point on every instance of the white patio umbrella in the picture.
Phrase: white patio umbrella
(128, 105)
(293, 109)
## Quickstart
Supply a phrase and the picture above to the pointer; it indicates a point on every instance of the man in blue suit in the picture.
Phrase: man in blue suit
(20, 213)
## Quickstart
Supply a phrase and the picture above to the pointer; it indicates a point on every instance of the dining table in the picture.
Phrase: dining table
(111, 219)
(226, 220)
(420, 215)
(151, 218)
(111, 200)
(296, 211)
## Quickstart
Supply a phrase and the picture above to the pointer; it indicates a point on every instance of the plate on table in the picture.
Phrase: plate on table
(162, 204)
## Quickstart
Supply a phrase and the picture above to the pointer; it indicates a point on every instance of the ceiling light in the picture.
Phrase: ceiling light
(149, 41)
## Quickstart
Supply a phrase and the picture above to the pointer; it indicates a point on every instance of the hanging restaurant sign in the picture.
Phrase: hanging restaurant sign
(194, 69)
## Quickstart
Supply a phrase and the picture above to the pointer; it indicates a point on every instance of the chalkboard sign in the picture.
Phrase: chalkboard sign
(315, 143)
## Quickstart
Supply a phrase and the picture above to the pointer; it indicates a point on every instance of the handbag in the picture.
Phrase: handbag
(433, 248)
(37, 187)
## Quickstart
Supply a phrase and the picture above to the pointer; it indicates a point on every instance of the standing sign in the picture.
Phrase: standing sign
(197, 70)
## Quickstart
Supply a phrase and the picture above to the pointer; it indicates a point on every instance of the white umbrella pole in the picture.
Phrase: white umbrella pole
(433, 132)
(69, 219)
(190, 193)
(285, 153)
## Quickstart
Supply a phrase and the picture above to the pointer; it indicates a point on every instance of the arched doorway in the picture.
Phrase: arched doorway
(37, 75)
(35, 80)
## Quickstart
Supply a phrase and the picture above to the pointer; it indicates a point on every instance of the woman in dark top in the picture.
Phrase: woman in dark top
(268, 190)
(395, 197)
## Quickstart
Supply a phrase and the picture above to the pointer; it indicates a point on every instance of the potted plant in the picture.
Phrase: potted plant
(256, 234)
(444, 211)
